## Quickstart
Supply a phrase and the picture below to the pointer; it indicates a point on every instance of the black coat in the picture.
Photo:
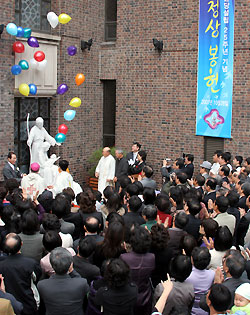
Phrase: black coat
(85, 269)
(121, 168)
(189, 170)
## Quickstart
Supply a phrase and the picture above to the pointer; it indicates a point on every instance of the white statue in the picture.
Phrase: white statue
(36, 138)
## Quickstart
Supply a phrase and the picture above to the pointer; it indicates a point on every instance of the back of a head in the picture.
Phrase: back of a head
(117, 273)
(180, 267)
(135, 203)
(233, 198)
(222, 203)
(60, 259)
(194, 206)
(87, 201)
(11, 184)
(149, 196)
(190, 157)
(180, 162)
(211, 182)
(148, 170)
(182, 177)
(51, 240)
(219, 297)
(140, 240)
(124, 181)
(200, 180)
(69, 193)
(98, 195)
(108, 191)
(63, 164)
(162, 203)
(51, 222)
(140, 186)
(181, 220)
(114, 235)
(115, 217)
(46, 200)
(12, 244)
(61, 206)
(92, 224)
(150, 212)
(86, 247)
(210, 227)
(223, 239)
(30, 222)
(114, 202)
(188, 243)
(225, 169)
(132, 190)
(246, 189)
(3, 192)
(160, 237)
(143, 155)
(201, 257)
(235, 263)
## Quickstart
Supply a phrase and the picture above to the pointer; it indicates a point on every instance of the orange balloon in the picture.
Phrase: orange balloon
(80, 78)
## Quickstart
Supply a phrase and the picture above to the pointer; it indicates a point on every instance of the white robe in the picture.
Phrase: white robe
(36, 138)
(106, 170)
(32, 183)
(63, 180)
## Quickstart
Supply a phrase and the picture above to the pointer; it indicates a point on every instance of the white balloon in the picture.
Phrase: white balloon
(52, 19)
(42, 65)
(33, 63)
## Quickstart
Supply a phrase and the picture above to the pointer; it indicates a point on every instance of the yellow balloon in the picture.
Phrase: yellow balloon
(64, 18)
(75, 102)
(24, 89)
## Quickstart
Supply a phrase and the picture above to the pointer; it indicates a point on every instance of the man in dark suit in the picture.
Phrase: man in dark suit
(189, 166)
(131, 156)
(65, 291)
(121, 168)
(210, 187)
(10, 170)
(18, 272)
(133, 216)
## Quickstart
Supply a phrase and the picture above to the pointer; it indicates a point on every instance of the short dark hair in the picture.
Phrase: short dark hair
(246, 189)
(124, 181)
(60, 259)
(10, 154)
(143, 155)
(160, 237)
(222, 203)
(188, 243)
(51, 240)
(132, 190)
(117, 273)
(225, 169)
(63, 164)
(233, 198)
(148, 170)
(162, 203)
(61, 206)
(108, 191)
(235, 262)
(140, 240)
(69, 192)
(135, 203)
(98, 195)
(211, 182)
(194, 206)
(190, 157)
(210, 227)
(223, 239)
(239, 158)
(150, 212)
(220, 297)
(180, 162)
(149, 196)
(176, 193)
(13, 248)
(30, 222)
(200, 179)
(86, 247)
(180, 267)
(11, 184)
(225, 156)
(138, 144)
(181, 220)
(182, 177)
(92, 224)
(140, 186)
(201, 257)
(248, 160)
(3, 192)
(51, 222)
(218, 152)
(115, 217)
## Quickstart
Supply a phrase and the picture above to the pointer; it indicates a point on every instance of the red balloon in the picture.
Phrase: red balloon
(63, 129)
(18, 47)
(39, 56)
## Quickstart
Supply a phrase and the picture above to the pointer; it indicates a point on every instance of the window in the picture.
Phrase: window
(109, 110)
(110, 20)
(36, 107)
(211, 145)
(33, 14)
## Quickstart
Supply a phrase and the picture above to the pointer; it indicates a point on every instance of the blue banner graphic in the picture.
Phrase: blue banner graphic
(215, 68)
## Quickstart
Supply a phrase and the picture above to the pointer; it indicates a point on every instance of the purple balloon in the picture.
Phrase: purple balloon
(72, 50)
(33, 42)
(62, 88)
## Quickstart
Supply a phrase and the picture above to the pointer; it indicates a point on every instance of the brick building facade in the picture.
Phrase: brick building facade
(155, 92)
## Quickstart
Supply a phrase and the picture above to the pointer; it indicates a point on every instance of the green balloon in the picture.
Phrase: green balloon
(27, 32)
(24, 64)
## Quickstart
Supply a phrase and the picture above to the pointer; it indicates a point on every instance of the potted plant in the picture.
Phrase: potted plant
(93, 161)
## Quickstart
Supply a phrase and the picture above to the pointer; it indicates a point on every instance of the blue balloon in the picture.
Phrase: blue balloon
(33, 89)
(11, 28)
(16, 69)
(69, 114)
(20, 31)
(60, 138)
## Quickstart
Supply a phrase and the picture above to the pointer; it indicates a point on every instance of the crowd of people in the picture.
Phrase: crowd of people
(135, 246)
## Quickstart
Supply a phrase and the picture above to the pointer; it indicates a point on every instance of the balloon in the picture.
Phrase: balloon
(42, 65)
(60, 138)
(11, 28)
(24, 89)
(20, 31)
(69, 114)
(16, 69)
(64, 18)
(33, 42)
(18, 47)
(75, 102)
(52, 19)
(39, 56)
(63, 129)
(27, 32)
(62, 88)
(72, 50)
(24, 64)
(33, 89)
(80, 78)
(33, 63)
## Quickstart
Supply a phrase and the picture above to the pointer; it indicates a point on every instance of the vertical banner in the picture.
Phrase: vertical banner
(215, 68)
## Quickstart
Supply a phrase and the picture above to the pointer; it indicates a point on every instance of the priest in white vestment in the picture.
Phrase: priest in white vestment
(105, 170)
(64, 179)
(33, 182)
